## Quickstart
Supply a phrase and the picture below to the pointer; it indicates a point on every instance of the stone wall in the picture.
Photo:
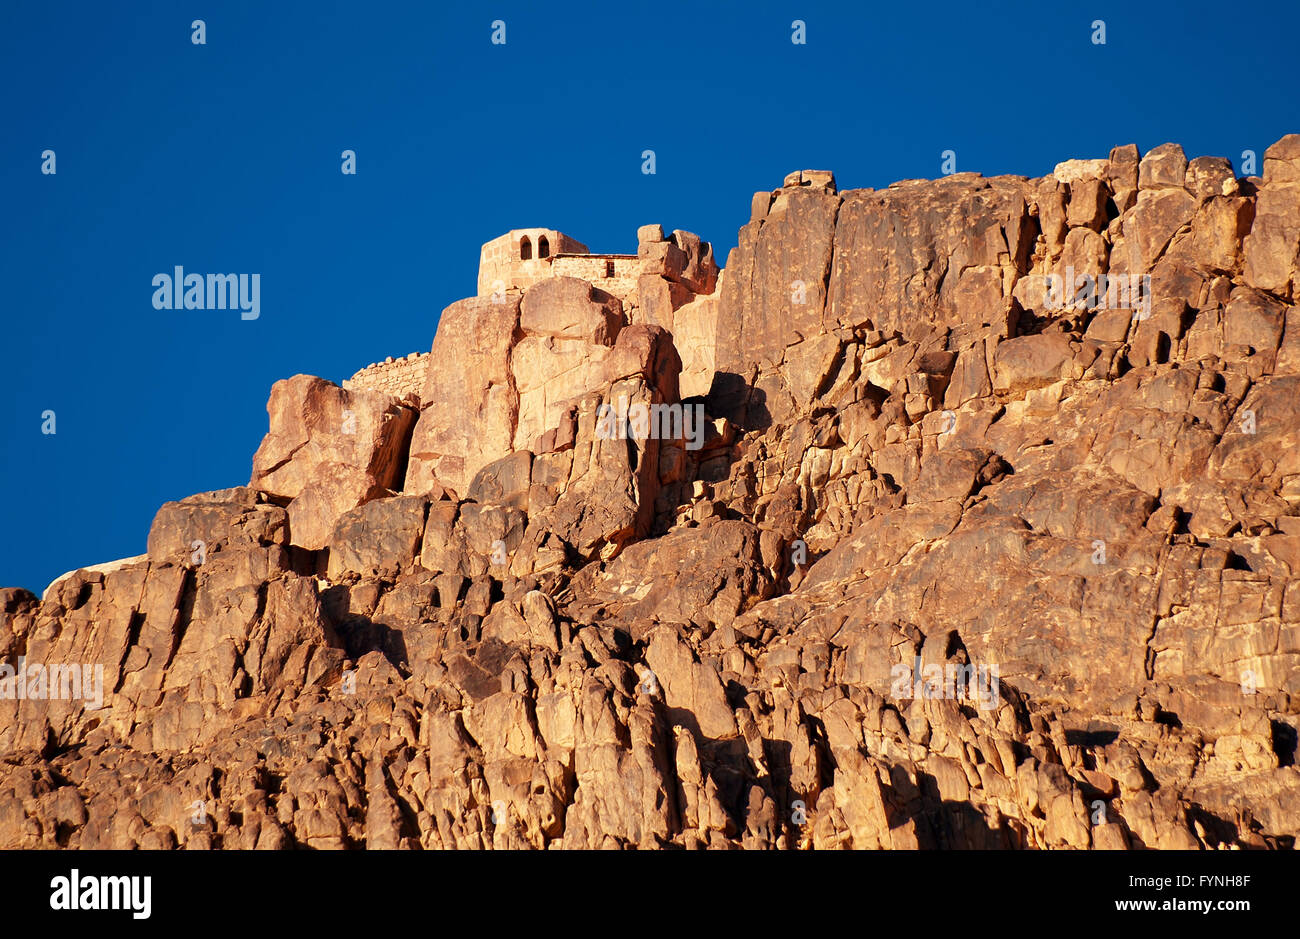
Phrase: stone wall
(398, 377)
(594, 269)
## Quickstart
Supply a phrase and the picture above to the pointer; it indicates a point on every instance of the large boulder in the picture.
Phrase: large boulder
(470, 404)
(379, 538)
(569, 330)
(537, 373)
(329, 450)
(210, 521)
(1273, 246)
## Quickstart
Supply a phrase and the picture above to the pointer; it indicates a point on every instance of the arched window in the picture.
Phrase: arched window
(525, 249)
(543, 247)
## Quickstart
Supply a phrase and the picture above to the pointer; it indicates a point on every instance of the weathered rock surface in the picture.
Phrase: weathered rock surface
(961, 556)
(329, 450)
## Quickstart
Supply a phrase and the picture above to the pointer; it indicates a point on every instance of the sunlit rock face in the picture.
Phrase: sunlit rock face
(961, 513)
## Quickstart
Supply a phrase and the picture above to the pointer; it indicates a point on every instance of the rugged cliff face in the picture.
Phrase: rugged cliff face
(987, 535)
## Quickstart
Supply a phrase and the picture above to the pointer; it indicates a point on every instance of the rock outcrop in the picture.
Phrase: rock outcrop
(330, 450)
(962, 513)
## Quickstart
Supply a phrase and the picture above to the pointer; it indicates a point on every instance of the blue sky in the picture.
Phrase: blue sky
(225, 157)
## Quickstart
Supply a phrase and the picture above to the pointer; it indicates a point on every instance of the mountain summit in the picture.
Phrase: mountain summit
(960, 513)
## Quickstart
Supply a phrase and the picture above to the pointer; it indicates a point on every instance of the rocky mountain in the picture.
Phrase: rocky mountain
(963, 513)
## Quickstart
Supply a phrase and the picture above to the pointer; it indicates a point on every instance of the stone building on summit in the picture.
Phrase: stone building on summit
(524, 256)
(669, 282)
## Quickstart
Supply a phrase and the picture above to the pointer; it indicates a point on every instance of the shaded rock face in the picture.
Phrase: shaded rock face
(959, 554)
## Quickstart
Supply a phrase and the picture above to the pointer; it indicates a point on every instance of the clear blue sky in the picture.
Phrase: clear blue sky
(226, 158)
